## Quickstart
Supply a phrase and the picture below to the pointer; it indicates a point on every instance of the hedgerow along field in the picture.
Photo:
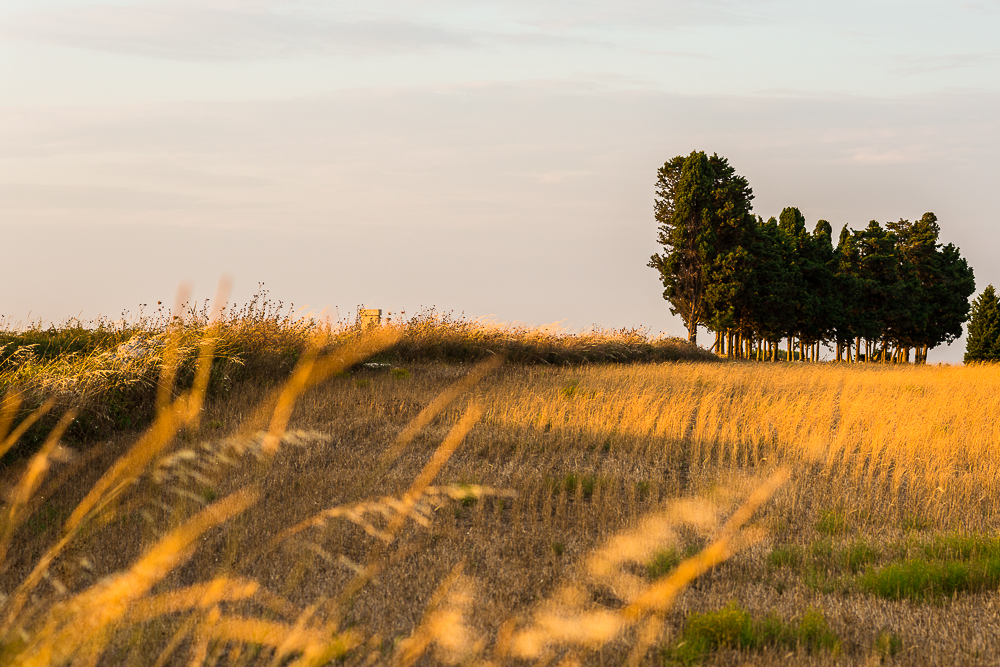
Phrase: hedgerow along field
(255, 489)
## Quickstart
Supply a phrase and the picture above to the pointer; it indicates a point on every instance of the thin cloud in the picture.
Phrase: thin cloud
(677, 54)
(560, 16)
(32, 197)
(937, 63)
(905, 155)
(200, 33)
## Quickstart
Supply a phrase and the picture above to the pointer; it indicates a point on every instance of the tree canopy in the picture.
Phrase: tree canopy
(983, 343)
(891, 287)
(703, 210)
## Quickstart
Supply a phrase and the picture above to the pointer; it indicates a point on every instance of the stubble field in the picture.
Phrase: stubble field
(503, 513)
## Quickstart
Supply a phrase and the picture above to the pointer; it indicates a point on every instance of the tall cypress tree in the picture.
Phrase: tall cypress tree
(792, 225)
(818, 267)
(907, 310)
(983, 343)
(702, 207)
(766, 307)
(954, 282)
(880, 284)
(849, 285)
(938, 303)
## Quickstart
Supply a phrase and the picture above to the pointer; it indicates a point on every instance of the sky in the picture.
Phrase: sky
(494, 159)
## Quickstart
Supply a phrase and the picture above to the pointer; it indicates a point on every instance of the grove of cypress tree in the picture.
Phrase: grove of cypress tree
(703, 209)
(983, 343)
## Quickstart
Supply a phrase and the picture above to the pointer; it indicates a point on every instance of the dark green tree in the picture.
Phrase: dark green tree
(848, 283)
(818, 266)
(917, 245)
(767, 306)
(949, 295)
(880, 285)
(983, 342)
(703, 210)
(807, 268)
(938, 305)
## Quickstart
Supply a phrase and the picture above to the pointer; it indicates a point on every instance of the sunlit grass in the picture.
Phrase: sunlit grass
(479, 512)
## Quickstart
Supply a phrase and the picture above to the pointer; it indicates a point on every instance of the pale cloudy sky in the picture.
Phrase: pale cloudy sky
(491, 158)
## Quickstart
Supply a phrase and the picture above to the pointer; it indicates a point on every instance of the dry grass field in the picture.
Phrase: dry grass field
(491, 512)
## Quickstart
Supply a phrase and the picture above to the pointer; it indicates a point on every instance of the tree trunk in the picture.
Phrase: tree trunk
(692, 333)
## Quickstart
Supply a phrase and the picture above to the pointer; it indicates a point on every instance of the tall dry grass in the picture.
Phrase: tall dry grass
(81, 624)
(883, 442)
(108, 370)
(473, 513)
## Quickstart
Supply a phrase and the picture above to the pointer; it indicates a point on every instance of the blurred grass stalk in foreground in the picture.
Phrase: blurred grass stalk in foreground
(77, 626)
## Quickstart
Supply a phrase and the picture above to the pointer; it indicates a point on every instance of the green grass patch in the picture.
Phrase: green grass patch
(735, 628)
(785, 555)
(923, 580)
(962, 547)
(909, 569)
(575, 483)
(822, 548)
(832, 522)
(663, 562)
(855, 557)
(822, 555)
(666, 560)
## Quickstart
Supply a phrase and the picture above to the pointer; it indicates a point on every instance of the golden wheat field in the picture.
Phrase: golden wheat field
(495, 513)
